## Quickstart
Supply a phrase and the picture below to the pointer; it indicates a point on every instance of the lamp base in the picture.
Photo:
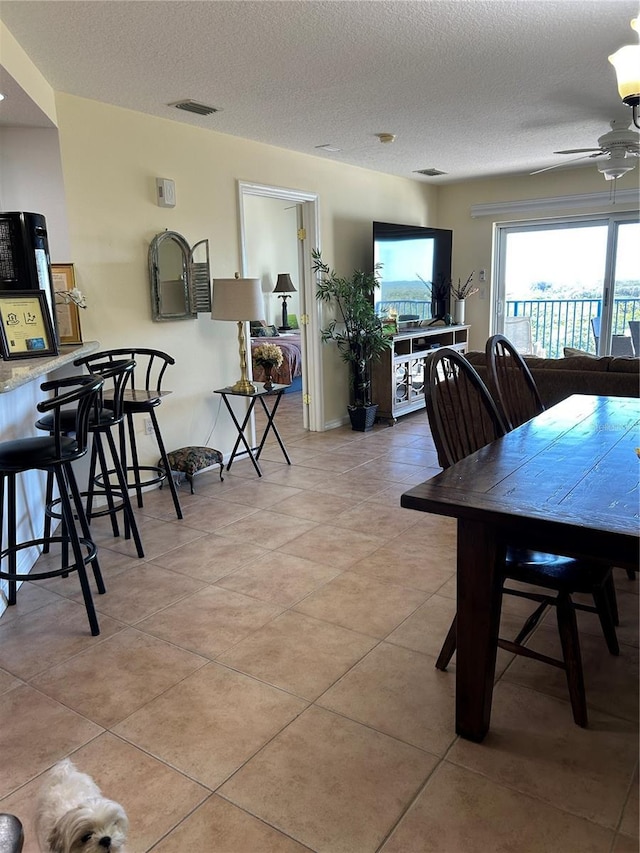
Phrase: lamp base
(243, 386)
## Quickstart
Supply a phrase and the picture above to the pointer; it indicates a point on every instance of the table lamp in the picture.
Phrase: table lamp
(239, 299)
(284, 288)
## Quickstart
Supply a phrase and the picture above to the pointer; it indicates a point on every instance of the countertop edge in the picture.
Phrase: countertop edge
(16, 373)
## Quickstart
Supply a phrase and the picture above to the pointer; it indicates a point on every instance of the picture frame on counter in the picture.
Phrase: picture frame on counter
(67, 312)
(26, 330)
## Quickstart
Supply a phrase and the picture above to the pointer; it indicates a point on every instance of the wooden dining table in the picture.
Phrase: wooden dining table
(566, 482)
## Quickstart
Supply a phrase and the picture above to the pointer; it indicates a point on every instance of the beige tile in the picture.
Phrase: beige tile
(459, 811)
(279, 578)
(210, 621)
(315, 506)
(261, 493)
(211, 723)
(334, 547)
(352, 486)
(611, 682)
(266, 529)
(209, 558)
(221, 826)
(7, 681)
(625, 844)
(31, 596)
(425, 570)
(111, 680)
(157, 538)
(36, 731)
(400, 693)
(298, 654)
(296, 476)
(630, 816)
(143, 589)
(351, 783)
(425, 629)
(535, 747)
(389, 523)
(210, 514)
(33, 643)
(362, 604)
(155, 796)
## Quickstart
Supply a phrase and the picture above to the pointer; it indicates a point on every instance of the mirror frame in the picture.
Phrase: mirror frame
(155, 276)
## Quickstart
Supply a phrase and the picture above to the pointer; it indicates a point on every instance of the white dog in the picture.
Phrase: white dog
(72, 816)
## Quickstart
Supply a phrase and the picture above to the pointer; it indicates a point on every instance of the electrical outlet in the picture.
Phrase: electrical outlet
(148, 426)
(483, 275)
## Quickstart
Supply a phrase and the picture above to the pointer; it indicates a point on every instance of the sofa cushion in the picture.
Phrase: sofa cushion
(569, 352)
(574, 362)
(628, 364)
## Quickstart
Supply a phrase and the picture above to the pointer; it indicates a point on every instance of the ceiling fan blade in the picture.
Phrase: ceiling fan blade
(566, 162)
(578, 150)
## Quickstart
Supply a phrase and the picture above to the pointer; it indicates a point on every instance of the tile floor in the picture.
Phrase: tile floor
(264, 680)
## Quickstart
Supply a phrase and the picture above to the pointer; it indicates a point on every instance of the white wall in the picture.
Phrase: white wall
(111, 158)
(271, 247)
(31, 180)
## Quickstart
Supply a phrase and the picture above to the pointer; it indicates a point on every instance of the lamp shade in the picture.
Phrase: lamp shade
(626, 61)
(284, 284)
(237, 299)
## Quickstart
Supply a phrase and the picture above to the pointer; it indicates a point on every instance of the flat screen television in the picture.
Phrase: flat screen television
(410, 256)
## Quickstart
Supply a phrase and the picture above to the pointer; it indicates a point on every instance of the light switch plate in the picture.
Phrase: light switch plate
(166, 192)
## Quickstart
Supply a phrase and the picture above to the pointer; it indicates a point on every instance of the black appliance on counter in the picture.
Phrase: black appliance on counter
(24, 256)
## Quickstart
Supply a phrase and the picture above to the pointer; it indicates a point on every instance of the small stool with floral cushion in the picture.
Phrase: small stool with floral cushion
(192, 460)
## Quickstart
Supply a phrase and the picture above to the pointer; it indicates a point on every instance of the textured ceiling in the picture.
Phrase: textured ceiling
(472, 88)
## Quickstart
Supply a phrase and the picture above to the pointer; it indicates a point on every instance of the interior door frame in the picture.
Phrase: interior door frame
(309, 218)
(610, 220)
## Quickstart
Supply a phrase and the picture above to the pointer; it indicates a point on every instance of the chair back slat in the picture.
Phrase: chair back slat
(511, 383)
(84, 396)
(149, 370)
(462, 416)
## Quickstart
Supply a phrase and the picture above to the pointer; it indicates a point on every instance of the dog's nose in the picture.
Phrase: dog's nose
(105, 842)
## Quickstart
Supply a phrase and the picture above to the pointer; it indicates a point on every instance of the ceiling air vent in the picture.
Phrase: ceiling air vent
(194, 107)
(430, 173)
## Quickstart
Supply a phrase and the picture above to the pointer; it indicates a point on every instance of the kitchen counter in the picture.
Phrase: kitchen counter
(20, 371)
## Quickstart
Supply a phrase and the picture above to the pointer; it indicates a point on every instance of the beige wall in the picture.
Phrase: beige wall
(110, 159)
(472, 238)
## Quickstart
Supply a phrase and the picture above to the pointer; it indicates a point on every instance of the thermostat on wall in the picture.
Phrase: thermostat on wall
(166, 192)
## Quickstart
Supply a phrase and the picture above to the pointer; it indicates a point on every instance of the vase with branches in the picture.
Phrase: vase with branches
(355, 329)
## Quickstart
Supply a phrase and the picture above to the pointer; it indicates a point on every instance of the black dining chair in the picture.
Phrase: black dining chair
(510, 382)
(464, 418)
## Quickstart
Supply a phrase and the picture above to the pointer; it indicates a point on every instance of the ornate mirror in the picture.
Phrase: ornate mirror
(179, 286)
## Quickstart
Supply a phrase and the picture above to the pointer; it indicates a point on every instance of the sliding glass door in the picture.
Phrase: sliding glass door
(569, 284)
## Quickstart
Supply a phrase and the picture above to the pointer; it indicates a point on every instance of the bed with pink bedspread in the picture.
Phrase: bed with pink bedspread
(291, 366)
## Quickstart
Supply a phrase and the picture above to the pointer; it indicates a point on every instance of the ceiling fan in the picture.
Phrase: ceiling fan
(620, 146)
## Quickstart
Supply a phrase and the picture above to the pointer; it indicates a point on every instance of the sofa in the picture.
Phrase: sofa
(558, 378)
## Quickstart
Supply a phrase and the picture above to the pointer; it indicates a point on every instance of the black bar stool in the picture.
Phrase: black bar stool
(143, 395)
(101, 423)
(54, 454)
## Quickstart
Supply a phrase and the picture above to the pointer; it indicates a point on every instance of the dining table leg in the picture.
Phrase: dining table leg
(479, 593)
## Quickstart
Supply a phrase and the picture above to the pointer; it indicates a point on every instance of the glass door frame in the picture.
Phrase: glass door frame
(611, 220)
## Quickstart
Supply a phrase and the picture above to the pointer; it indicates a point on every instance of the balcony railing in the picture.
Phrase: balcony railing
(555, 323)
(559, 323)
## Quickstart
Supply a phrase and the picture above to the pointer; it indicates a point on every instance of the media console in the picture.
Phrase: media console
(398, 377)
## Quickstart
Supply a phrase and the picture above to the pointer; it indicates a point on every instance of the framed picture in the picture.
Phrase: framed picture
(25, 325)
(67, 312)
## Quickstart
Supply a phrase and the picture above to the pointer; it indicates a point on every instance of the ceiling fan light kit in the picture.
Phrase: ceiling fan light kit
(626, 62)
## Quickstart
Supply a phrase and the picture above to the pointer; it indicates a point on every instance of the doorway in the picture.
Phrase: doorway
(576, 282)
(297, 213)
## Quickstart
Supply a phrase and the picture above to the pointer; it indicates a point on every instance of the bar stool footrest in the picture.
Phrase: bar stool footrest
(89, 544)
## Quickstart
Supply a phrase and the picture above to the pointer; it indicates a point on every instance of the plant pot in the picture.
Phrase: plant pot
(458, 311)
(363, 417)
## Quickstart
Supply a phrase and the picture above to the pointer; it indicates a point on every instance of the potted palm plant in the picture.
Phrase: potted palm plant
(356, 331)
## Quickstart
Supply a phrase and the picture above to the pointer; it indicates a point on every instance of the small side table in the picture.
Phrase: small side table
(275, 393)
